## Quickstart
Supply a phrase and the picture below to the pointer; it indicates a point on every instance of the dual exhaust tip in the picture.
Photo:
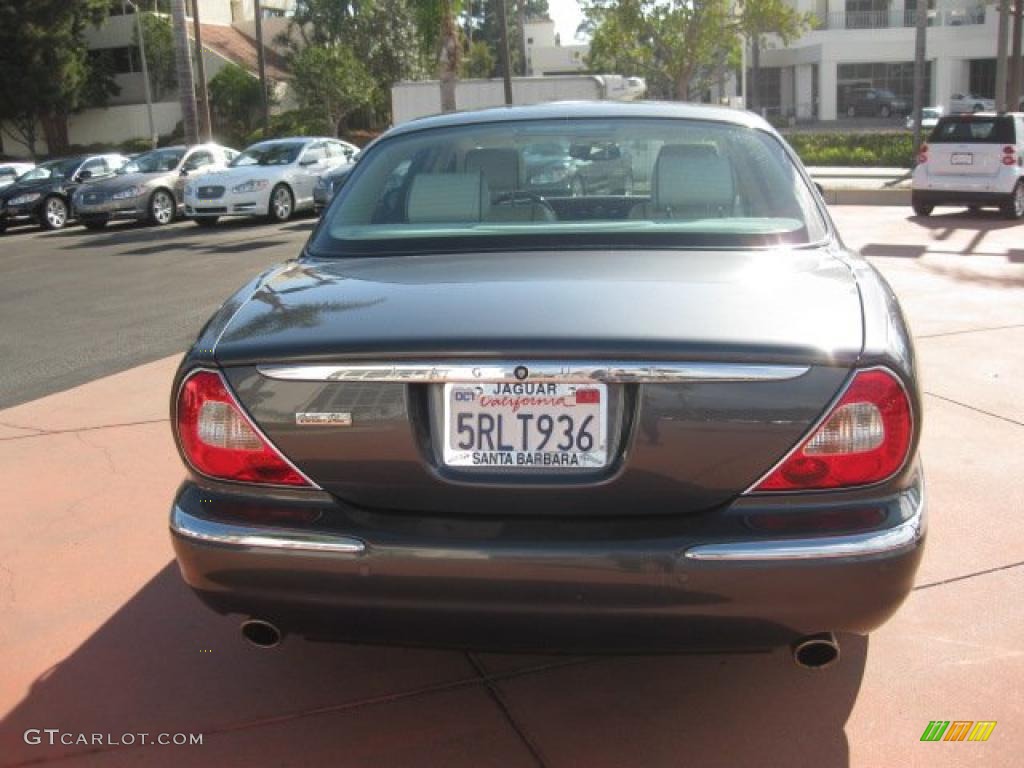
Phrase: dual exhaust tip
(811, 652)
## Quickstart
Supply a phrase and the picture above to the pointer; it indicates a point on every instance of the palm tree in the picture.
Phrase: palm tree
(183, 67)
(448, 60)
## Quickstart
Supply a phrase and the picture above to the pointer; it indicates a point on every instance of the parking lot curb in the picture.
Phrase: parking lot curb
(867, 196)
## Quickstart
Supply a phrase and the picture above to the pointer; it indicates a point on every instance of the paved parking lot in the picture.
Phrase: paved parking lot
(98, 634)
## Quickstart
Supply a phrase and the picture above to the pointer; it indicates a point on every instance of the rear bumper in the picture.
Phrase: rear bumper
(486, 584)
(958, 197)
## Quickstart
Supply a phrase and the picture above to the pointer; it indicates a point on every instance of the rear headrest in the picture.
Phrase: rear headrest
(499, 166)
(447, 198)
(692, 174)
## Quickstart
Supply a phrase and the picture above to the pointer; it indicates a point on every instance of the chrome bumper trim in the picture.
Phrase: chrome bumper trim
(535, 370)
(212, 532)
(889, 541)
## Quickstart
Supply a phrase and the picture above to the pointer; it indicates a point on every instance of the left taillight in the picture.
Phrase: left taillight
(220, 441)
(864, 439)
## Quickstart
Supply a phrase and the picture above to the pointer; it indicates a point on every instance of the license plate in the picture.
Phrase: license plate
(962, 158)
(526, 425)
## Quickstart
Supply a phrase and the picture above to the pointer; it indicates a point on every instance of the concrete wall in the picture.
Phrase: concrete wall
(108, 127)
(416, 99)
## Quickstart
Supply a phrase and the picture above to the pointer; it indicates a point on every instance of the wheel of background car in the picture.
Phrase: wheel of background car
(885, 111)
(206, 221)
(55, 213)
(923, 209)
(1014, 208)
(3, 227)
(161, 208)
(511, 198)
(281, 204)
(851, 111)
(95, 222)
(576, 188)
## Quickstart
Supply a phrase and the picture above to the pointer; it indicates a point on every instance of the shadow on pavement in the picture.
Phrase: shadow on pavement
(893, 251)
(165, 664)
(987, 220)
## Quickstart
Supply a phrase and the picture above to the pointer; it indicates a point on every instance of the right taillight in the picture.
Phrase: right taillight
(863, 439)
(1009, 153)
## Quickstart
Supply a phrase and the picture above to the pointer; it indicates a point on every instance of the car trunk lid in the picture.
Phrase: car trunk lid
(675, 444)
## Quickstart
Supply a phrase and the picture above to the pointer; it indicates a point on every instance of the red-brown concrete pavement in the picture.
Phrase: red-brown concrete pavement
(98, 635)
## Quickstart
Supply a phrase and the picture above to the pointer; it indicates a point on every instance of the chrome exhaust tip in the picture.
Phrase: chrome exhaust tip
(261, 633)
(816, 651)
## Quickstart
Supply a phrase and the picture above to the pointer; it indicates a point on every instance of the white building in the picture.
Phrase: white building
(228, 37)
(545, 54)
(871, 42)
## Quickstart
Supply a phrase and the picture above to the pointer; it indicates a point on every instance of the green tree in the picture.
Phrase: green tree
(676, 45)
(482, 24)
(382, 35)
(478, 61)
(236, 100)
(332, 82)
(159, 55)
(43, 41)
(758, 21)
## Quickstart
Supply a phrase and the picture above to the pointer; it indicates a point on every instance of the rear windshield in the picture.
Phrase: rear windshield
(973, 129)
(566, 183)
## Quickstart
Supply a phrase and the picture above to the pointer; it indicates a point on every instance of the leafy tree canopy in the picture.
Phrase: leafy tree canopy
(44, 42)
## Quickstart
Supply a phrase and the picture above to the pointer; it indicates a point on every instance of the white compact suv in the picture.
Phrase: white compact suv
(272, 178)
(976, 160)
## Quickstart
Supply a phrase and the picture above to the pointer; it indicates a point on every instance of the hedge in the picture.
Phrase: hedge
(890, 149)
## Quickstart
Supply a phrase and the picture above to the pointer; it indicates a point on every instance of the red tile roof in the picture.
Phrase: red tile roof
(241, 49)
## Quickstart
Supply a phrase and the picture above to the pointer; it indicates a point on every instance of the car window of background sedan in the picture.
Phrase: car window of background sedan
(673, 183)
(157, 161)
(270, 154)
(55, 169)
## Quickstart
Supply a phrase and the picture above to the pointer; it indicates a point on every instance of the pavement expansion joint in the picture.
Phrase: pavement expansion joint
(51, 432)
(962, 405)
(966, 576)
(499, 700)
(967, 330)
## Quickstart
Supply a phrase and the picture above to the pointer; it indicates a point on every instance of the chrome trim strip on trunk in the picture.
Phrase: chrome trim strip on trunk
(887, 541)
(534, 370)
(212, 532)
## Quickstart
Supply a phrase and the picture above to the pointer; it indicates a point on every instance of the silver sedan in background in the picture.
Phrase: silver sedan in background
(148, 188)
(272, 178)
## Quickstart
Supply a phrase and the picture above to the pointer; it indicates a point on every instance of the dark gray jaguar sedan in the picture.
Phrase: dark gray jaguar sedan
(473, 415)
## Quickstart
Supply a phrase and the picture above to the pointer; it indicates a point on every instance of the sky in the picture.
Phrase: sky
(567, 16)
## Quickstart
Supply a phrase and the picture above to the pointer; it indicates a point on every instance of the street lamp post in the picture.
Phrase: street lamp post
(153, 137)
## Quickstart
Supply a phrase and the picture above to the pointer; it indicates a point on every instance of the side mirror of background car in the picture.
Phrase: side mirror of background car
(308, 161)
(84, 175)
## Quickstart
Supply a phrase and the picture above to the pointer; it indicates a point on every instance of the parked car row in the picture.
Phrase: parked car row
(205, 182)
